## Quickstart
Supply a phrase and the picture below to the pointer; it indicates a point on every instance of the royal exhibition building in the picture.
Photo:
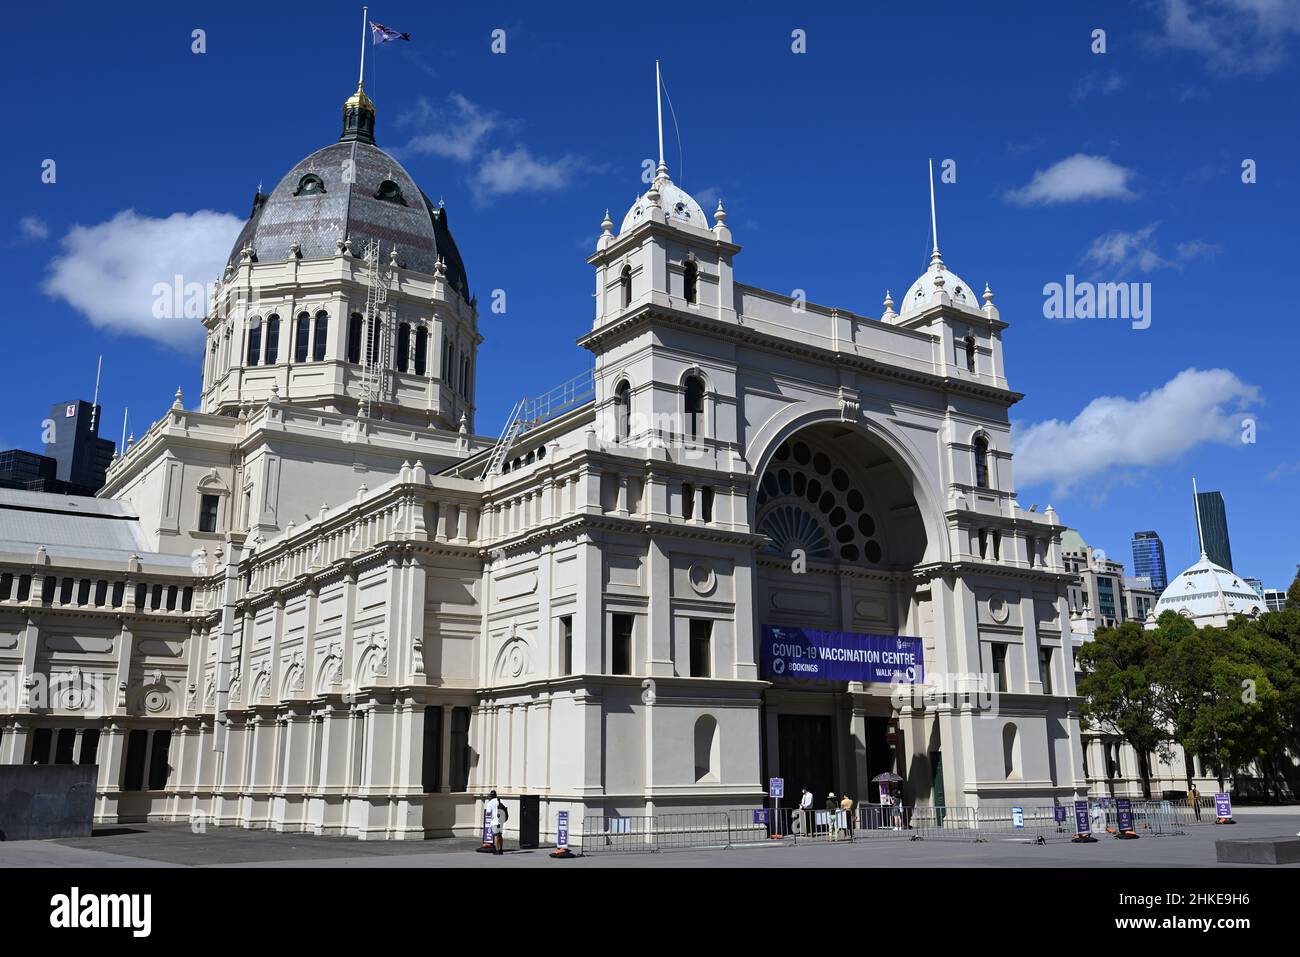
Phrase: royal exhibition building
(761, 537)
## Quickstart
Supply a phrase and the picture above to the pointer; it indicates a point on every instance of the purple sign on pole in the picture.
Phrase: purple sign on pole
(562, 831)
(1082, 824)
(841, 656)
(1222, 805)
(1124, 812)
(760, 815)
(488, 837)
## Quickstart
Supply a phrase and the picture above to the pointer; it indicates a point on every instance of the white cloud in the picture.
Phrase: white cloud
(456, 132)
(1096, 83)
(1113, 436)
(1232, 36)
(108, 272)
(463, 132)
(33, 228)
(1127, 252)
(519, 171)
(1075, 179)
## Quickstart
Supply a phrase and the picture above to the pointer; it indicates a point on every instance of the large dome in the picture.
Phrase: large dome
(1209, 591)
(317, 204)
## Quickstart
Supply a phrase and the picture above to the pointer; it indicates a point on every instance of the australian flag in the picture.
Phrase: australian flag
(383, 34)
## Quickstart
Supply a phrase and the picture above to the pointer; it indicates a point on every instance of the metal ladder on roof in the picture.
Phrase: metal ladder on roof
(514, 425)
(375, 333)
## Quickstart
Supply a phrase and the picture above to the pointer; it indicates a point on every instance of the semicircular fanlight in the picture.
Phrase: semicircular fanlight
(788, 527)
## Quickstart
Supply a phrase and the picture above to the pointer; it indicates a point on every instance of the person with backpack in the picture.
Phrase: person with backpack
(498, 814)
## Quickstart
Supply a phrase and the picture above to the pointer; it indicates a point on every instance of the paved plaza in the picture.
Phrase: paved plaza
(173, 845)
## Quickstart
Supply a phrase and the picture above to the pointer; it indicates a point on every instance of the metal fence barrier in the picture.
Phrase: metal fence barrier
(738, 827)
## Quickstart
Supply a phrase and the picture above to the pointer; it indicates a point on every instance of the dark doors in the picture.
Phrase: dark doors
(806, 748)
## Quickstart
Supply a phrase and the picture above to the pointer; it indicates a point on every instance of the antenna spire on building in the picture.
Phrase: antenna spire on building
(934, 220)
(1196, 501)
(659, 115)
(94, 405)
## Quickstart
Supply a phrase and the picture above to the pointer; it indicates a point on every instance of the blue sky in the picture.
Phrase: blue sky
(1121, 166)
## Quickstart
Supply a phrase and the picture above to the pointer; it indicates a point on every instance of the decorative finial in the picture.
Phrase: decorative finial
(607, 225)
(988, 293)
(176, 402)
(889, 305)
(720, 214)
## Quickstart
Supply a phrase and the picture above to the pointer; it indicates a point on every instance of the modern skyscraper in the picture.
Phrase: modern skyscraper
(1213, 519)
(82, 455)
(1149, 559)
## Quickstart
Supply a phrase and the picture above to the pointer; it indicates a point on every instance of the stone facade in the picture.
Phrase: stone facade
(391, 616)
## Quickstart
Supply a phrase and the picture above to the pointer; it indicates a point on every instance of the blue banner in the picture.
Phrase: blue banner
(1222, 805)
(562, 830)
(1124, 813)
(841, 656)
(1082, 825)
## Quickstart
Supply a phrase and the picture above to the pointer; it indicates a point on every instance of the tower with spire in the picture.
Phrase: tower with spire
(665, 266)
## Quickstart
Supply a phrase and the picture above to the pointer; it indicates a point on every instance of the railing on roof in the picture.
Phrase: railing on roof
(529, 413)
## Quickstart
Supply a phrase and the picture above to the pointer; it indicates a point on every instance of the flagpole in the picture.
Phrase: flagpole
(361, 76)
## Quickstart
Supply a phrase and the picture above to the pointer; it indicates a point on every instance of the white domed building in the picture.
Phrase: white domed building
(1209, 595)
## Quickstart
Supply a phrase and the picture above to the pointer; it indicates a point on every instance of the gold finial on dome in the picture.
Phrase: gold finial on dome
(359, 99)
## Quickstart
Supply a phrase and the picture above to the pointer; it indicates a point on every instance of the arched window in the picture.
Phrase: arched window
(421, 349)
(970, 353)
(403, 347)
(272, 340)
(302, 338)
(625, 280)
(706, 748)
(254, 352)
(1010, 750)
(693, 406)
(691, 279)
(354, 338)
(322, 334)
(981, 461)
(622, 411)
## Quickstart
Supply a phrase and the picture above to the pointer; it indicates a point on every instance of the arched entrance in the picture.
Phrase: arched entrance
(845, 532)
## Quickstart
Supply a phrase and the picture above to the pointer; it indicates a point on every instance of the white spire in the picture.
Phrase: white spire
(659, 113)
(934, 220)
(1196, 501)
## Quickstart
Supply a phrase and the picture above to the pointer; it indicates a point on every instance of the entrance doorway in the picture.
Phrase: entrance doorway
(806, 753)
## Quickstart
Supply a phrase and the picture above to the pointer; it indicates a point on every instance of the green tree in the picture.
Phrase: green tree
(1241, 721)
(1293, 593)
(1121, 668)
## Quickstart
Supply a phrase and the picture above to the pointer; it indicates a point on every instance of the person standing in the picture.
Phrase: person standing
(832, 811)
(805, 810)
(497, 815)
(1194, 799)
(846, 807)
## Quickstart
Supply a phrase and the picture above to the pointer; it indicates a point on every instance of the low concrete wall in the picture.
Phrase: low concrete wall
(43, 801)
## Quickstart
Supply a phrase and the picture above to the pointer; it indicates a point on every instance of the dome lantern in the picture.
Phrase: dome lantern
(358, 118)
